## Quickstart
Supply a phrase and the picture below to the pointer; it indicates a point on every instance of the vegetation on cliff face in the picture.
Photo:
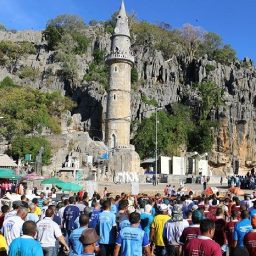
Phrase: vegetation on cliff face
(27, 111)
(66, 35)
(11, 52)
(189, 40)
(182, 126)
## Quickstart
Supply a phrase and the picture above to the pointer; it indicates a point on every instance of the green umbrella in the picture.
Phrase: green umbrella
(8, 174)
(71, 187)
(52, 180)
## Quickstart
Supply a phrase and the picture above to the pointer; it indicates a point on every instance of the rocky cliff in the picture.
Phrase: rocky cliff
(164, 81)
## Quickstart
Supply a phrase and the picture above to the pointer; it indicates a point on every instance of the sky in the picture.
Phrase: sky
(233, 20)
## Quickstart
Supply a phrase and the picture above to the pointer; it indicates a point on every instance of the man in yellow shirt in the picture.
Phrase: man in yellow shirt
(3, 246)
(157, 228)
(37, 211)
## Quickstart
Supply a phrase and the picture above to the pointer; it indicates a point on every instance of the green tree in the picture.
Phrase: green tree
(2, 27)
(7, 82)
(173, 131)
(22, 145)
(134, 75)
(98, 70)
(211, 98)
(61, 25)
(225, 55)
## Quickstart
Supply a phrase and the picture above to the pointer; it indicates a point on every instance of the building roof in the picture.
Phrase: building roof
(6, 161)
(148, 161)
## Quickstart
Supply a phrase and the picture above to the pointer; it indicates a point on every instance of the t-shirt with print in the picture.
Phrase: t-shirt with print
(189, 233)
(48, 232)
(94, 218)
(107, 222)
(202, 246)
(12, 228)
(75, 244)
(70, 214)
(132, 240)
(250, 242)
(158, 224)
(241, 229)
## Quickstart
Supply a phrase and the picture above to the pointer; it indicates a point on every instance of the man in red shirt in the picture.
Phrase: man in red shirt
(230, 227)
(193, 230)
(203, 244)
(250, 241)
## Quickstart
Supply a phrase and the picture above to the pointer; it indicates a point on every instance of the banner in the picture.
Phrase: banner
(91, 187)
(135, 188)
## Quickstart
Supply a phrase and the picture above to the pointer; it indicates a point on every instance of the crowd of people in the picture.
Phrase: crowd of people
(163, 225)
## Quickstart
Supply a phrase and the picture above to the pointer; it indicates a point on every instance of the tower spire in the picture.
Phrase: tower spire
(122, 27)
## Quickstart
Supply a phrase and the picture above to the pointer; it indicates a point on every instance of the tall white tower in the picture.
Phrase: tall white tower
(120, 61)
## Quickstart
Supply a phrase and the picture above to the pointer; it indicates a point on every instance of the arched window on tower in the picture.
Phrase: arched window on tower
(113, 141)
(115, 68)
(114, 96)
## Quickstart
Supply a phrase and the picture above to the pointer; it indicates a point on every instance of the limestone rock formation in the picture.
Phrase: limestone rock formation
(165, 81)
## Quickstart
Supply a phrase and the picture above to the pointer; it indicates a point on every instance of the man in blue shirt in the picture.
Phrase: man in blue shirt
(241, 229)
(132, 239)
(95, 216)
(26, 245)
(107, 229)
(146, 219)
(74, 239)
(71, 212)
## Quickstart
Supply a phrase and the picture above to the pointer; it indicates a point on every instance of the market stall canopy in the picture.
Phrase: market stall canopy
(68, 186)
(7, 162)
(210, 191)
(8, 174)
(52, 181)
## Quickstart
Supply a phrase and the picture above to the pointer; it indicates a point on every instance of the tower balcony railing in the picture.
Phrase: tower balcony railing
(120, 56)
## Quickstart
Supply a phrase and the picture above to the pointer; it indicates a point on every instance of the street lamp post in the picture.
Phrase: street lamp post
(156, 144)
(156, 149)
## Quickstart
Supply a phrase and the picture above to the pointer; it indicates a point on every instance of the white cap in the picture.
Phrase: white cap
(163, 207)
(148, 208)
(194, 207)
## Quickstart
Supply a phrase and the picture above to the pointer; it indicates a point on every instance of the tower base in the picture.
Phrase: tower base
(125, 160)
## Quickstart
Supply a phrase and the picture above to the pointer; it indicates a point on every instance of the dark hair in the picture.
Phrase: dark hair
(5, 208)
(22, 197)
(49, 213)
(106, 204)
(214, 201)
(240, 251)
(52, 207)
(234, 214)
(244, 214)
(123, 204)
(134, 218)
(29, 228)
(206, 225)
(72, 200)
(83, 220)
(219, 211)
(65, 202)
(35, 201)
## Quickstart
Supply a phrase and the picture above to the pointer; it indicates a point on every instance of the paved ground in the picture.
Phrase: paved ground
(152, 190)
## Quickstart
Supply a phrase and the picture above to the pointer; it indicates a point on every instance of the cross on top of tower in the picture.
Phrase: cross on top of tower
(122, 27)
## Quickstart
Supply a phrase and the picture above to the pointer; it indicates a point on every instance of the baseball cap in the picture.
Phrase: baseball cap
(163, 207)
